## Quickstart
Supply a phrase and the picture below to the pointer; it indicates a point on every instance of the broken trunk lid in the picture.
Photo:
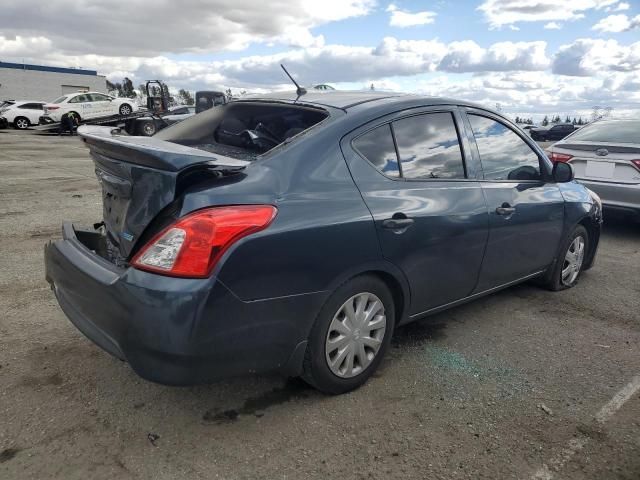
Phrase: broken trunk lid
(152, 152)
(138, 177)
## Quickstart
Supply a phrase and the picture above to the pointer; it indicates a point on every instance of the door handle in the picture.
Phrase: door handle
(397, 223)
(505, 209)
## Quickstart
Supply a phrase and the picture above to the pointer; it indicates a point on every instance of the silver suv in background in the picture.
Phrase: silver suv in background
(605, 156)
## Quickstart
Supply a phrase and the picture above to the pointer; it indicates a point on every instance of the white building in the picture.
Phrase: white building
(37, 82)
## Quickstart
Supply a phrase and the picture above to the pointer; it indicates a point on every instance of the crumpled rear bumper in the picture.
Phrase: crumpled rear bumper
(172, 330)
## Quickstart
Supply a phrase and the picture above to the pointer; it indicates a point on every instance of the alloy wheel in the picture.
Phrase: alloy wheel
(21, 123)
(125, 110)
(573, 261)
(355, 335)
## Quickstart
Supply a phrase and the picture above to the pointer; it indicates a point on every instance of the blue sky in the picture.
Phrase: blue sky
(533, 56)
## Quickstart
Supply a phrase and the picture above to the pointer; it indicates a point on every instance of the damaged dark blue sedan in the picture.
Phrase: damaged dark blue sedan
(293, 234)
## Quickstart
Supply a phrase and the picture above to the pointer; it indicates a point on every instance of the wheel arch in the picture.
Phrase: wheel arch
(592, 226)
(19, 117)
(392, 277)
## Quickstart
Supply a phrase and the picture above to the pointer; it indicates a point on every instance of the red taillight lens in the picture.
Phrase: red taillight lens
(52, 107)
(192, 246)
(560, 157)
(636, 163)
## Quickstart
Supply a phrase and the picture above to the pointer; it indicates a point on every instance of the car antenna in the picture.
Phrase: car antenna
(299, 90)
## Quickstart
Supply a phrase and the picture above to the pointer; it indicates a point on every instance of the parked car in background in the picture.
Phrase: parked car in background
(605, 156)
(22, 113)
(556, 132)
(528, 128)
(294, 233)
(89, 105)
(148, 126)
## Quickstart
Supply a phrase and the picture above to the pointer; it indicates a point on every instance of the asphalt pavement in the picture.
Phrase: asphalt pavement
(522, 384)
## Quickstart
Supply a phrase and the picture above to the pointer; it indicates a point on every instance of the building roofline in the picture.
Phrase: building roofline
(44, 68)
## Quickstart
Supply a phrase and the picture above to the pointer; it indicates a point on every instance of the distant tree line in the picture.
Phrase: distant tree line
(554, 119)
(126, 89)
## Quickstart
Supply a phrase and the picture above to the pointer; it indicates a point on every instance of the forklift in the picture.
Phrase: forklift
(158, 98)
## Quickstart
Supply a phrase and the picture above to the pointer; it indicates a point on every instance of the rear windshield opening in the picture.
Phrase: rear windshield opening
(243, 129)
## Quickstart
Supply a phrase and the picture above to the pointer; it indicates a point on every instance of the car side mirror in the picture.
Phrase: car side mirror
(562, 172)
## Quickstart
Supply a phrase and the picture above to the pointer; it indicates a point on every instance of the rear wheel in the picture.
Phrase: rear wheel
(21, 123)
(125, 109)
(350, 336)
(148, 128)
(568, 266)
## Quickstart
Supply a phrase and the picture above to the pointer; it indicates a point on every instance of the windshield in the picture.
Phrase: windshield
(623, 131)
(59, 100)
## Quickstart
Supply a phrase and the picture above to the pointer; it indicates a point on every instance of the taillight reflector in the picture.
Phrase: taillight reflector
(560, 157)
(636, 163)
(192, 246)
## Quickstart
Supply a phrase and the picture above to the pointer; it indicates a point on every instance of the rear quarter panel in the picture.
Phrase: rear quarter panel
(322, 234)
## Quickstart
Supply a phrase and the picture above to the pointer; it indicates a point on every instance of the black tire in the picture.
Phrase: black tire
(148, 128)
(123, 107)
(75, 114)
(21, 123)
(317, 371)
(554, 279)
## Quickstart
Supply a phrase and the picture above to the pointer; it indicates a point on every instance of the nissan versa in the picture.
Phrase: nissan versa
(294, 233)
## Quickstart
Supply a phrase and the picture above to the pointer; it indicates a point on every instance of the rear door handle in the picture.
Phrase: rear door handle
(397, 223)
(505, 209)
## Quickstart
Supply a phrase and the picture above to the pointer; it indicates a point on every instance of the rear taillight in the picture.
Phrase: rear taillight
(560, 157)
(192, 246)
(636, 163)
(52, 107)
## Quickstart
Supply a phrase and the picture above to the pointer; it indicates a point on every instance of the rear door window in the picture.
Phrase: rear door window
(97, 97)
(378, 148)
(80, 99)
(429, 147)
(31, 106)
(504, 155)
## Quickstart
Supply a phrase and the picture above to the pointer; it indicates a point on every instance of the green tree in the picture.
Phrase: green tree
(127, 88)
(111, 87)
(545, 121)
(185, 97)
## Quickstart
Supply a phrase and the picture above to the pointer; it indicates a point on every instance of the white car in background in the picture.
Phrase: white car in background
(22, 113)
(87, 105)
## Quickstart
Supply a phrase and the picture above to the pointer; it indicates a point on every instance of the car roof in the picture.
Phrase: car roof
(345, 100)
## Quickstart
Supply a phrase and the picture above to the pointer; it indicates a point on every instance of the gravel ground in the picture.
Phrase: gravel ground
(495, 389)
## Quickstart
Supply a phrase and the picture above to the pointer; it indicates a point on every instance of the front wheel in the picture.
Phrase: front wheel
(125, 109)
(350, 336)
(568, 266)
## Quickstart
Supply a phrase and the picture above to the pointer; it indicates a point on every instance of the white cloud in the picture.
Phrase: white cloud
(587, 57)
(507, 12)
(553, 26)
(468, 56)
(123, 27)
(403, 19)
(541, 92)
(617, 23)
(622, 6)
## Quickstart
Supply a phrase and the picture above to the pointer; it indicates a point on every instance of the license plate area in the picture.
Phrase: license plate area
(600, 169)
